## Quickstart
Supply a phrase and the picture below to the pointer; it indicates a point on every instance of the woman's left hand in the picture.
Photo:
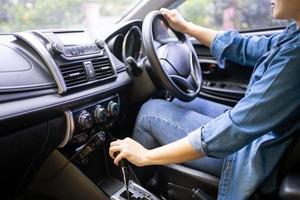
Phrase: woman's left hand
(130, 150)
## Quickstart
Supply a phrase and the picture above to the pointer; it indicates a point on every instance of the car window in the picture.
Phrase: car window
(230, 14)
(18, 15)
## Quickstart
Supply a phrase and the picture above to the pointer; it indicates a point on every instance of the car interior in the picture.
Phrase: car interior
(65, 95)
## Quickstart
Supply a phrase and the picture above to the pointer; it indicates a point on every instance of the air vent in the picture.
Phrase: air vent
(103, 68)
(74, 74)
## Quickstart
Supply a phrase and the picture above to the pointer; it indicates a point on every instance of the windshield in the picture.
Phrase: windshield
(18, 15)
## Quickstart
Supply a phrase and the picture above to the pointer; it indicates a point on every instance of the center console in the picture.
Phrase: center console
(87, 125)
(78, 61)
(86, 145)
(136, 192)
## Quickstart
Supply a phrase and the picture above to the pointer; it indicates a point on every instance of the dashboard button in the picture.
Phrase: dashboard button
(57, 48)
(113, 108)
(85, 120)
(100, 114)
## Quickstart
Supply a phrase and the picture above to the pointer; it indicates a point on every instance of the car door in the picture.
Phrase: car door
(225, 84)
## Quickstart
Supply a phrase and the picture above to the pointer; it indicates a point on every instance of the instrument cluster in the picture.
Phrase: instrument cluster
(128, 44)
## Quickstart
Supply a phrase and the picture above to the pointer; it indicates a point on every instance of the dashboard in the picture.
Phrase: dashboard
(64, 64)
(61, 88)
(79, 75)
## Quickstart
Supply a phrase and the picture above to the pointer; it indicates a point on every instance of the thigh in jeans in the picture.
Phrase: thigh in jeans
(161, 122)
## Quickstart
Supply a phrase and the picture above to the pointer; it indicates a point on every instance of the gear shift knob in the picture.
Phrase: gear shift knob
(123, 162)
(123, 165)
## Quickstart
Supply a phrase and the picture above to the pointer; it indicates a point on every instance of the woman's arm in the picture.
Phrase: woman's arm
(176, 152)
(176, 21)
(230, 44)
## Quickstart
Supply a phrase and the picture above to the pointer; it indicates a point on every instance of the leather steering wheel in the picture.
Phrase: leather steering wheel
(172, 57)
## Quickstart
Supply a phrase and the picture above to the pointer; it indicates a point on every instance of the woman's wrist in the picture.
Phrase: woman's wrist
(189, 28)
(148, 158)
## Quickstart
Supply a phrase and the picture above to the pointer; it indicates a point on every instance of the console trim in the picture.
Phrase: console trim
(45, 55)
(137, 190)
(69, 128)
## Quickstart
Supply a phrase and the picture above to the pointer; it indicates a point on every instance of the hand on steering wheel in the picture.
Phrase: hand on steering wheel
(175, 20)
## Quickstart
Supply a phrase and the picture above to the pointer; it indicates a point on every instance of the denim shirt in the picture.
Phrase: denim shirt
(255, 133)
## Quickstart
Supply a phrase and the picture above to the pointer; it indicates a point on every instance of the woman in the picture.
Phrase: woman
(253, 135)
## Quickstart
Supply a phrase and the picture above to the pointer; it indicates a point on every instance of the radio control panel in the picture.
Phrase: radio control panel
(74, 44)
(81, 50)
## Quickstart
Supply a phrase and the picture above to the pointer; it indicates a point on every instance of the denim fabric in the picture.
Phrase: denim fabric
(205, 107)
(255, 133)
(160, 122)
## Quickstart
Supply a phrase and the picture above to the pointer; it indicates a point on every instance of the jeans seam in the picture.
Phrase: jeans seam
(162, 118)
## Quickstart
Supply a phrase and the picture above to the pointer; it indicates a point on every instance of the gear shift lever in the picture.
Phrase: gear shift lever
(124, 169)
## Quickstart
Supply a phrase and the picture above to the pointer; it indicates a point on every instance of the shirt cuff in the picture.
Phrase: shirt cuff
(221, 41)
(216, 45)
(195, 139)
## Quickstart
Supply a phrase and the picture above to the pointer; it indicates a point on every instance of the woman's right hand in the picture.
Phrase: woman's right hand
(175, 20)
(130, 150)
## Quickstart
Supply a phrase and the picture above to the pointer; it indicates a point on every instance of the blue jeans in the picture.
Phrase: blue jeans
(161, 122)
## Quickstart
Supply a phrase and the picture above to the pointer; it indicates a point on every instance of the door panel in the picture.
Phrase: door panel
(226, 85)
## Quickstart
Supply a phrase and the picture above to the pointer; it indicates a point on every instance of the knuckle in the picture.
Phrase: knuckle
(125, 151)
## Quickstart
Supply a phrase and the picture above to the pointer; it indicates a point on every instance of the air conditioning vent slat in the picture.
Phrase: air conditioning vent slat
(74, 79)
(74, 74)
(72, 71)
(64, 68)
(104, 74)
(102, 63)
(103, 68)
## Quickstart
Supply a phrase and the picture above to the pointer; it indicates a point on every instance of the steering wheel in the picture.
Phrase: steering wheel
(172, 57)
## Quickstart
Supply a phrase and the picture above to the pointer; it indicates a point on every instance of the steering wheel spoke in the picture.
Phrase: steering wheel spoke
(167, 67)
(196, 78)
(184, 83)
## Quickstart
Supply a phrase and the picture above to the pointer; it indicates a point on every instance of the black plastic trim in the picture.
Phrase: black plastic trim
(17, 96)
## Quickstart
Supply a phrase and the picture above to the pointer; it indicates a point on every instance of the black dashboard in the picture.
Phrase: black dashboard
(62, 86)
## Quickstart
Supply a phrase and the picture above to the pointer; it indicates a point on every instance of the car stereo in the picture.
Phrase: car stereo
(74, 44)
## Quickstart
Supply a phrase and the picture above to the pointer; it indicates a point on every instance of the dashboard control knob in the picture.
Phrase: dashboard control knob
(100, 43)
(100, 114)
(113, 108)
(85, 120)
(57, 48)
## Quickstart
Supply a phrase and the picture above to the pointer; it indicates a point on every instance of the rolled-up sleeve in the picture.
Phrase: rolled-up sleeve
(272, 99)
(245, 50)
(195, 139)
